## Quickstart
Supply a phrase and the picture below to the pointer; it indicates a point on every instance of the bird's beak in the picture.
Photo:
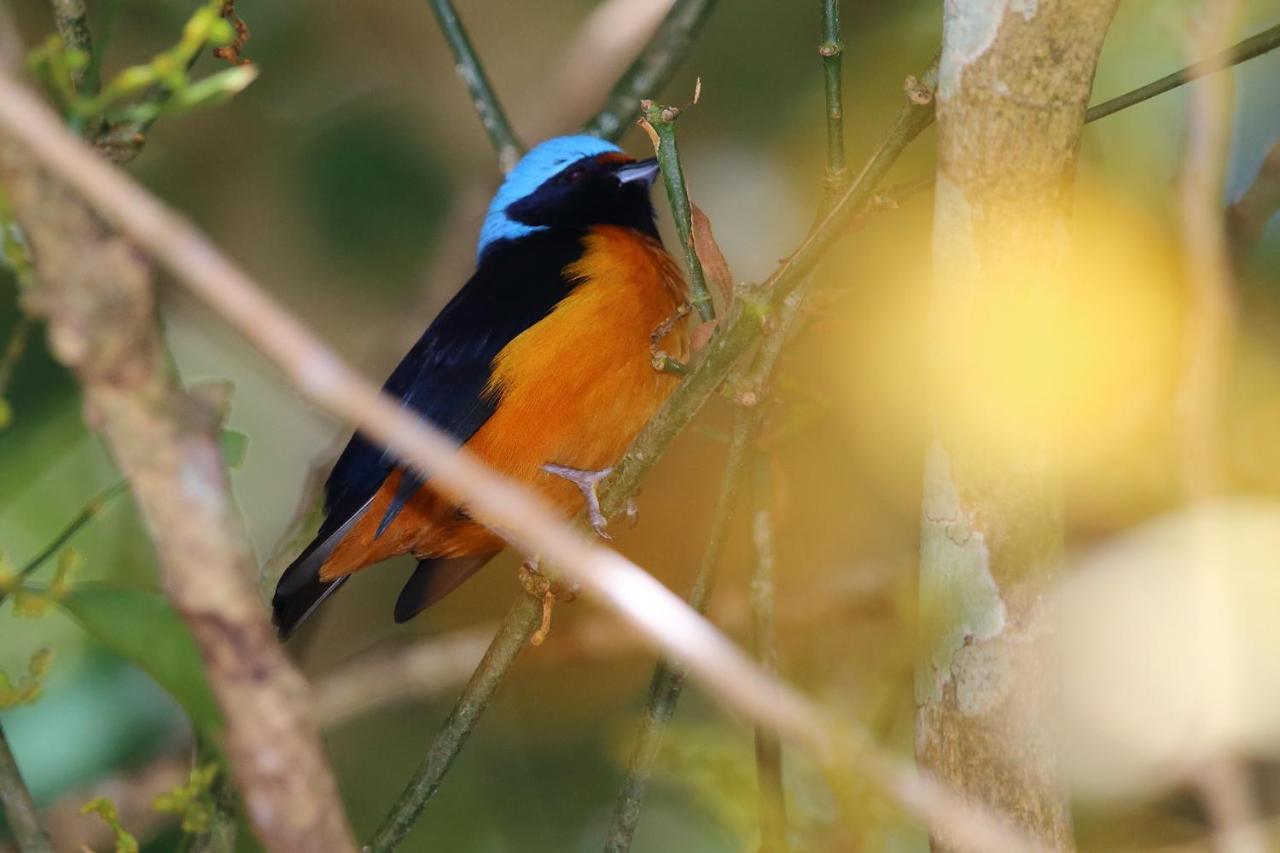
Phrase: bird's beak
(643, 171)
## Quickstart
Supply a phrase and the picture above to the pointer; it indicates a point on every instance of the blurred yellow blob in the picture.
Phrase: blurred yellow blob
(1074, 354)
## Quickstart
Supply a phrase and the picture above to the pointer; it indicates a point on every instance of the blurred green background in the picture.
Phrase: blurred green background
(350, 178)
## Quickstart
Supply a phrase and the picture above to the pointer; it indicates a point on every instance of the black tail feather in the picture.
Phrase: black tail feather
(432, 580)
(300, 590)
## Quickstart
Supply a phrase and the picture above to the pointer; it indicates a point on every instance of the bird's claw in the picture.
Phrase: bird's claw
(586, 481)
(540, 586)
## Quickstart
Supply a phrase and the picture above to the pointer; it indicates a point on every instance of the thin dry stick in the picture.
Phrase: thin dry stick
(522, 517)
(19, 808)
(1212, 316)
(651, 69)
(469, 68)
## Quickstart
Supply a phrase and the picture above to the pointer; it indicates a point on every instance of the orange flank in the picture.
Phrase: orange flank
(575, 389)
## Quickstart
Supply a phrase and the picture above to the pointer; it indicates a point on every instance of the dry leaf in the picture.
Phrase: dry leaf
(702, 335)
(714, 266)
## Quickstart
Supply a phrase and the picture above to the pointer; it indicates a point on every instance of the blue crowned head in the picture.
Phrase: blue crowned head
(570, 182)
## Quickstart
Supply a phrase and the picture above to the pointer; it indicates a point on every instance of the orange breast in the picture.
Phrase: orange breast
(575, 390)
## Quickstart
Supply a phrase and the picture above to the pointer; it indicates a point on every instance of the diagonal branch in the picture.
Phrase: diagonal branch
(651, 69)
(524, 518)
(1254, 46)
(507, 644)
(477, 82)
(96, 292)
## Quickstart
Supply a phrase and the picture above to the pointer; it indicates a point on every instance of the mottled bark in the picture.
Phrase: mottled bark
(1014, 82)
(95, 291)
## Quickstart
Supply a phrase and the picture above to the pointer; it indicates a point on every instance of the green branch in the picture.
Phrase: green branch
(20, 809)
(651, 69)
(517, 626)
(488, 108)
(773, 799)
(743, 325)
(832, 52)
(668, 679)
(87, 513)
(663, 121)
(1254, 46)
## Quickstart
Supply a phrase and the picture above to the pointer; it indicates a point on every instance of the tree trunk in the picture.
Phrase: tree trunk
(1015, 79)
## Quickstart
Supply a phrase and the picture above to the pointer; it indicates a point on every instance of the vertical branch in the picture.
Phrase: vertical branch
(513, 634)
(651, 69)
(19, 808)
(668, 678)
(1212, 312)
(832, 52)
(477, 82)
(663, 121)
(773, 799)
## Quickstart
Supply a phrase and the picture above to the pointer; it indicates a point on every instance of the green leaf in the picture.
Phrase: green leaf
(141, 627)
(235, 445)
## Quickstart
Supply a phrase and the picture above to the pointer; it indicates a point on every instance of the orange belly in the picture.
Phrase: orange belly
(575, 390)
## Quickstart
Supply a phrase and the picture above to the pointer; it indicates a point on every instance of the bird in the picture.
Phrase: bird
(542, 365)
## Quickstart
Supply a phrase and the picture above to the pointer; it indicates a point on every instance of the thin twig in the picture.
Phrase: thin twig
(832, 52)
(473, 76)
(668, 677)
(663, 121)
(516, 629)
(1263, 42)
(524, 518)
(19, 808)
(87, 513)
(773, 799)
(651, 69)
(1212, 318)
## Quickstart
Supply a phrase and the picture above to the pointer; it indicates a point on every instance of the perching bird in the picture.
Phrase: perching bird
(542, 365)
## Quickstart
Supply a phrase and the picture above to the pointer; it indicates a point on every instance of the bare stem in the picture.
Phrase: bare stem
(1265, 41)
(651, 69)
(832, 52)
(517, 626)
(20, 809)
(663, 121)
(477, 82)
(668, 678)
(87, 513)
(773, 799)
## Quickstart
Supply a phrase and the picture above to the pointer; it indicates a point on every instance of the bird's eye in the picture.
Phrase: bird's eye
(574, 174)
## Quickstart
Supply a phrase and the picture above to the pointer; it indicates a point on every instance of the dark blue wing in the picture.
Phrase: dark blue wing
(445, 376)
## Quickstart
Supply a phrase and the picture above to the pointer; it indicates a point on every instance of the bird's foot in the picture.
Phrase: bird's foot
(550, 591)
(586, 481)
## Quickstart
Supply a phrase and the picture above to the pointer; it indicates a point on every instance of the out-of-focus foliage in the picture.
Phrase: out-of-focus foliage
(105, 809)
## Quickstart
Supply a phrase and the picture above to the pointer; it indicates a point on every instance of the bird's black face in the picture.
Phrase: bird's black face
(607, 189)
